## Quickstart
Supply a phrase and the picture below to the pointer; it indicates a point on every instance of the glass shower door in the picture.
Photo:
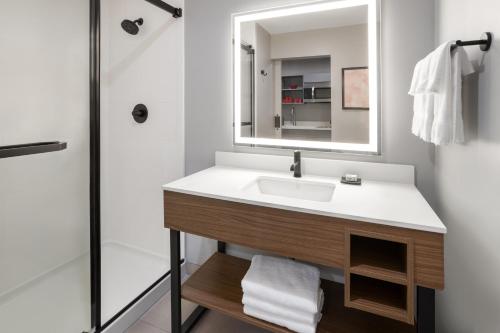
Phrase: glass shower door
(44, 196)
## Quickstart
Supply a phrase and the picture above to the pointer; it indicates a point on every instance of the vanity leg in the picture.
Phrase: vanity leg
(175, 278)
(221, 247)
(193, 319)
(426, 310)
(175, 290)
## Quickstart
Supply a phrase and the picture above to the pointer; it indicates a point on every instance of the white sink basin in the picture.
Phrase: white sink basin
(296, 188)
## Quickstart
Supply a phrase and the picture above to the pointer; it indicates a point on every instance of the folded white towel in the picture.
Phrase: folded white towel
(285, 312)
(284, 282)
(280, 321)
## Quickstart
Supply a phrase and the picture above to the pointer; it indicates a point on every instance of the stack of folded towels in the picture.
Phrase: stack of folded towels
(283, 292)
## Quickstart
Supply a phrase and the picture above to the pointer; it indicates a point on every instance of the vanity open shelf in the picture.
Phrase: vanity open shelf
(381, 259)
(379, 274)
(217, 285)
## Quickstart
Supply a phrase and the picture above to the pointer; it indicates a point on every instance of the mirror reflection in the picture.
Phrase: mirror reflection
(305, 77)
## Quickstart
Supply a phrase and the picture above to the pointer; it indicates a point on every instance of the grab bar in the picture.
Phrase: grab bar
(31, 148)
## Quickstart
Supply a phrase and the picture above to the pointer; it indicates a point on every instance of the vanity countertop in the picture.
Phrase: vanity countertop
(381, 202)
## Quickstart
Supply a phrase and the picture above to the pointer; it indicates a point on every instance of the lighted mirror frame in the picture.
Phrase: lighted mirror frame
(373, 146)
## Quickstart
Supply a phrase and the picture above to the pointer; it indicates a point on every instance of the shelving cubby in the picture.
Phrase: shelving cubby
(379, 275)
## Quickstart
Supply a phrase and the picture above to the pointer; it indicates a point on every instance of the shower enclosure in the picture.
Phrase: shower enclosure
(81, 165)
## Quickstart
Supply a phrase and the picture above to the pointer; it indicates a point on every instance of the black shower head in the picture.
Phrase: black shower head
(132, 27)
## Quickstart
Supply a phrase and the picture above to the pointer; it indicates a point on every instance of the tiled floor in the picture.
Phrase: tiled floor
(157, 320)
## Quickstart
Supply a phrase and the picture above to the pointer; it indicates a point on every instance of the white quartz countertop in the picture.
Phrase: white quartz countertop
(386, 203)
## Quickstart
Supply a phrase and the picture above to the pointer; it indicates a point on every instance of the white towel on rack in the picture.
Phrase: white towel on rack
(283, 281)
(430, 75)
(448, 125)
(437, 91)
(292, 325)
(283, 311)
(430, 83)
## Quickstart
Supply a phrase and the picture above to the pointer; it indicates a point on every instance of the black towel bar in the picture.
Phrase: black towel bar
(484, 43)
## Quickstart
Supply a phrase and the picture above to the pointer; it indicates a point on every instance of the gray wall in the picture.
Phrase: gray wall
(468, 206)
(407, 36)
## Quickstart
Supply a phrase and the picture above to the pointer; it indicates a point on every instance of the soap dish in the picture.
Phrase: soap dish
(348, 182)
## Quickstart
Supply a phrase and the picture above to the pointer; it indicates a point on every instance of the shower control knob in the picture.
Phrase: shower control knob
(140, 113)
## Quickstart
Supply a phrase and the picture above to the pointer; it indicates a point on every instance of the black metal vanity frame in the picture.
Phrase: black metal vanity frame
(425, 314)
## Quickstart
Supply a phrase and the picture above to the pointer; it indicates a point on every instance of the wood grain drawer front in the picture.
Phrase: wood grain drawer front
(314, 238)
(302, 236)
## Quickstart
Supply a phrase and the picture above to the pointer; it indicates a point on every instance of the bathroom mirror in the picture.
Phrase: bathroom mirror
(307, 76)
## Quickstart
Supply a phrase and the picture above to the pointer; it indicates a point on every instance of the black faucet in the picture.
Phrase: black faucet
(295, 167)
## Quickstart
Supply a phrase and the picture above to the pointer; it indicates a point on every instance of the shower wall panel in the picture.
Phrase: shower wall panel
(137, 158)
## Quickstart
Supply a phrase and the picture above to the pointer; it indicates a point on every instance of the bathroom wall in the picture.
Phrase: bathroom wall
(347, 47)
(137, 158)
(407, 35)
(468, 182)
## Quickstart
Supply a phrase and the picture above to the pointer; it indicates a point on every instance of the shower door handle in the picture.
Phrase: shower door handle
(31, 148)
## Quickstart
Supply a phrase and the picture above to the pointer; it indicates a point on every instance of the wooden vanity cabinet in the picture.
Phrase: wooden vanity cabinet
(382, 264)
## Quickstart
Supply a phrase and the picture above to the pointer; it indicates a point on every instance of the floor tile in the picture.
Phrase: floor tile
(143, 327)
(159, 314)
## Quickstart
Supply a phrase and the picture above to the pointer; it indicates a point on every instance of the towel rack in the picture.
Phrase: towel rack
(484, 43)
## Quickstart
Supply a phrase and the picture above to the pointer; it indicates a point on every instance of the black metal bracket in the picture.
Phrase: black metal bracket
(176, 12)
(484, 43)
(31, 148)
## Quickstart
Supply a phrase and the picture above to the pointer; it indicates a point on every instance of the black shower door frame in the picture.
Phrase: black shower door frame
(95, 168)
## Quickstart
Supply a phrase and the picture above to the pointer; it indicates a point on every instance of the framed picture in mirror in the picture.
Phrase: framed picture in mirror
(355, 88)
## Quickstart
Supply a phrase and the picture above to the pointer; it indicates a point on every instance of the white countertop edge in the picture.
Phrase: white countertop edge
(404, 225)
